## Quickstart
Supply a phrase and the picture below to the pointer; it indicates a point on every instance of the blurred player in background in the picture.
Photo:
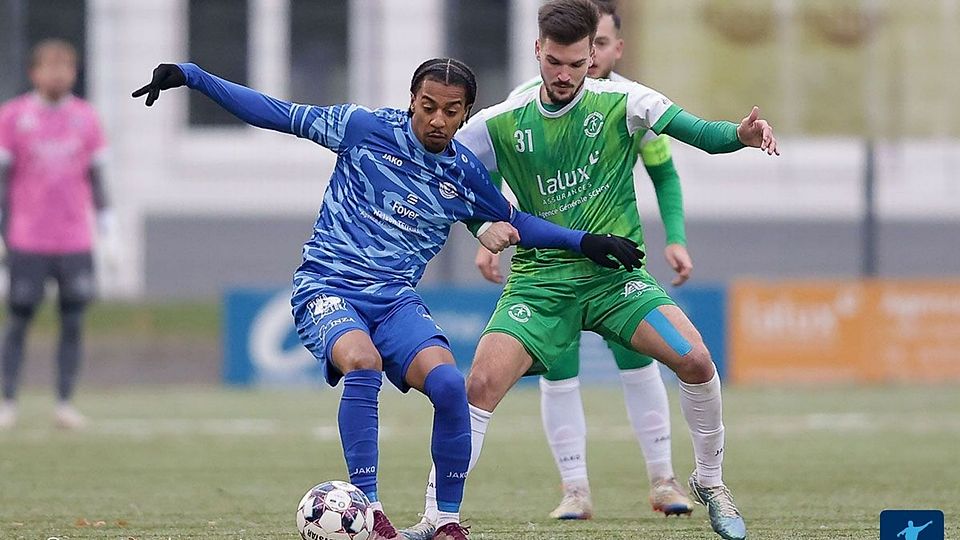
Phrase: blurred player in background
(567, 149)
(645, 395)
(399, 183)
(51, 182)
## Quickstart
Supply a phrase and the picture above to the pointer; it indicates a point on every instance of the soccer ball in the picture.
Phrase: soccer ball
(334, 511)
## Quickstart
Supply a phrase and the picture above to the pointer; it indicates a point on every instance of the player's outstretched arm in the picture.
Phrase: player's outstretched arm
(165, 77)
(540, 233)
(252, 107)
(757, 132)
(331, 127)
(722, 137)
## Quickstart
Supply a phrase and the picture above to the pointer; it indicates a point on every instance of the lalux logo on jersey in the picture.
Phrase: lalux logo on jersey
(565, 180)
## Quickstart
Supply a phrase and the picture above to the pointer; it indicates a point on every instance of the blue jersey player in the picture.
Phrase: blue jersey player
(399, 183)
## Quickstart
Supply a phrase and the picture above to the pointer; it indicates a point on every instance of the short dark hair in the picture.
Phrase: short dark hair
(609, 7)
(47, 45)
(568, 21)
(449, 71)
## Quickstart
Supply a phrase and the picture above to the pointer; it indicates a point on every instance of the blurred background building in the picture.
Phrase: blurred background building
(861, 92)
(207, 203)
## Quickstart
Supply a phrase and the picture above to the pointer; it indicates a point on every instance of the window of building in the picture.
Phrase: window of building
(318, 51)
(218, 43)
(25, 23)
(478, 34)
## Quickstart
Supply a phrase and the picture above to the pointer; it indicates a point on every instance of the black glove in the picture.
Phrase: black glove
(599, 248)
(165, 77)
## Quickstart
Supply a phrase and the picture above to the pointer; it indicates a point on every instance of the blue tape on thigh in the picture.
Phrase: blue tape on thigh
(668, 332)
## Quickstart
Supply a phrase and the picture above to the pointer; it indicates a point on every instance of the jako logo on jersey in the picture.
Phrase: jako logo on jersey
(520, 313)
(562, 181)
(592, 124)
(393, 159)
(448, 190)
(634, 287)
(408, 213)
(594, 157)
(324, 305)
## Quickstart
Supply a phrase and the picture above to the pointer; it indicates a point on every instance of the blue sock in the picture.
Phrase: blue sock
(451, 434)
(359, 426)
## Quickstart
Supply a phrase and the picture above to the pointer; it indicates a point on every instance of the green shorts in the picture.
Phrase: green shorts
(547, 315)
(567, 365)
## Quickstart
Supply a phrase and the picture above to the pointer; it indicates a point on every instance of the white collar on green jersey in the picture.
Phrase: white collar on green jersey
(566, 108)
(537, 81)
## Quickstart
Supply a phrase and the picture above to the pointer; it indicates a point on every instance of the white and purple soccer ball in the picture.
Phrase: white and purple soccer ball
(334, 511)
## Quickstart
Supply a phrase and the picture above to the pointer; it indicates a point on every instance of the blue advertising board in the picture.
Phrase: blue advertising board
(261, 345)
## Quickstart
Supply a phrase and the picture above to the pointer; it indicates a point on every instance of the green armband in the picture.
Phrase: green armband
(718, 137)
(656, 152)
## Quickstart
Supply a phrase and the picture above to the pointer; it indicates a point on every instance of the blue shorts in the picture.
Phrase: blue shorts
(395, 318)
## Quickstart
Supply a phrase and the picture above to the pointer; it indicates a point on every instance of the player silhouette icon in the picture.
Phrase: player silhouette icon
(910, 532)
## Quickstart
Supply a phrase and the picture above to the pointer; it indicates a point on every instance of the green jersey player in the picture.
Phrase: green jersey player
(567, 150)
(645, 395)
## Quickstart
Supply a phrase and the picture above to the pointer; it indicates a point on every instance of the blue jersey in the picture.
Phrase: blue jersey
(390, 202)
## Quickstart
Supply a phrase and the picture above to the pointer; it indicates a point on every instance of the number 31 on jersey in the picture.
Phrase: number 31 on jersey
(524, 140)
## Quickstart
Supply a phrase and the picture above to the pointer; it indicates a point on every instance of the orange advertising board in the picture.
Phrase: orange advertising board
(844, 331)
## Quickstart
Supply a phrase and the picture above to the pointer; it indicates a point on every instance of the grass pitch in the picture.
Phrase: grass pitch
(212, 463)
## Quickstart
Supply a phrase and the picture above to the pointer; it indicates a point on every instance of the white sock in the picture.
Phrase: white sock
(479, 419)
(703, 409)
(447, 517)
(649, 412)
(376, 506)
(561, 410)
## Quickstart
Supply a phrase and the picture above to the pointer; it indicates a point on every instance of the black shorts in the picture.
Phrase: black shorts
(29, 273)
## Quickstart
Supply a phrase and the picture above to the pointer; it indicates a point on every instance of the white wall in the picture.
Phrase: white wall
(159, 166)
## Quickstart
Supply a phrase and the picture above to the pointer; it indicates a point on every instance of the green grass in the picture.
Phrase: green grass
(186, 319)
(212, 463)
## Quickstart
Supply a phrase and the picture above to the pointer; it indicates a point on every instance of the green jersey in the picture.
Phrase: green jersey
(573, 166)
(658, 161)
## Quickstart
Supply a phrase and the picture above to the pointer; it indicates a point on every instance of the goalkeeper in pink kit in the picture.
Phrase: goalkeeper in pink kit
(51, 149)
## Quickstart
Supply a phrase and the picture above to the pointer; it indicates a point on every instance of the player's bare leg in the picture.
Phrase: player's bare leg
(668, 335)
(499, 363)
